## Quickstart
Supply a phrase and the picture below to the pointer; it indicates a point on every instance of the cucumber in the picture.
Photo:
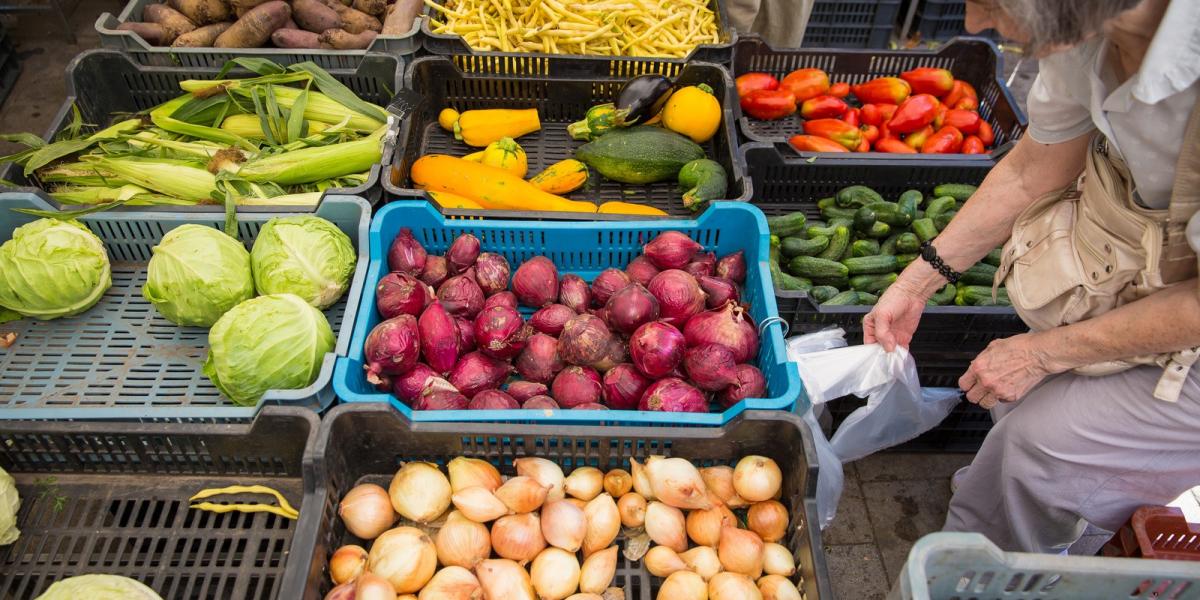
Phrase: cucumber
(818, 268)
(864, 248)
(827, 230)
(868, 299)
(702, 181)
(872, 283)
(826, 202)
(979, 274)
(866, 265)
(794, 246)
(908, 203)
(942, 220)
(639, 155)
(940, 205)
(908, 243)
(890, 213)
(906, 259)
(857, 195)
(847, 298)
(958, 191)
(822, 293)
(972, 295)
(889, 245)
(834, 212)
(864, 219)
(994, 257)
(925, 229)
(840, 283)
(837, 244)
(783, 281)
(944, 296)
(787, 225)
(879, 230)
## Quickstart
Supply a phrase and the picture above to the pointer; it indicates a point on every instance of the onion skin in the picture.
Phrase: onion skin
(778, 560)
(492, 273)
(540, 403)
(710, 367)
(683, 585)
(676, 482)
(524, 390)
(401, 294)
(704, 526)
(478, 504)
(607, 283)
(536, 282)
(757, 478)
(584, 341)
(666, 526)
(471, 472)
(366, 511)
(462, 542)
(420, 492)
(405, 556)
(551, 319)
(727, 326)
(435, 399)
(584, 483)
(461, 296)
(630, 308)
(673, 395)
(661, 561)
(539, 362)
(508, 299)
(732, 267)
(577, 385)
(564, 525)
(573, 292)
(504, 580)
(452, 583)
(617, 353)
(439, 338)
(466, 335)
(671, 250)
(719, 290)
(500, 332)
(719, 481)
(679, 296)
(370, 586)
(741, 551)
(776, 587)
(618, 482)
(603, 524)
(624, 387)
(517, 537)
(732, 586)
(640, 270)
(703, 561)
(392, 348)
(750, 384)
(522, 494)
(546, 472)
(476, 372)
(408, 387)
(406, 254)
(462, 253)
(701, 265)
(492, 400)
(554, 574)
(348, 562)
(769, 519)
(598, 571)
(589, 406)
(656, 349)
(436, 271)
(632, 507)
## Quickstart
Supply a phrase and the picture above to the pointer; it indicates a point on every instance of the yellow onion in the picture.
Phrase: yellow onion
(603, 524)
(343, 591)
(641, 480)
(666, 526)
(632, 507)
(618, 482)
(462, 542)
(503, 579)
(598, 571)
(451, 583)
(741, 551)
(732, 586)
(420, 492)
(564, 525)
(683, 585)
(719, 481)
(584, 483)
(703, 561)
(407, 597)
(555, 574)
(661, 561)
(518, 537)
(757, 478)
(769, 519)
(522, 494)
(470, 472)
(580, 504)
(545, 472)
(478, 504)
(585, 596)
(775, 587)
(366, 510)
(347, 563)
(704, 526)
(370, 586)
(676, 482)
(778, 560)
(405, 556)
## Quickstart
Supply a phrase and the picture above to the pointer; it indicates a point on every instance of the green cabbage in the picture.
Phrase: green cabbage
(198, 273)
(9, 503)
(303, 255)
(268, 343)
(53, 268)
(99, 587)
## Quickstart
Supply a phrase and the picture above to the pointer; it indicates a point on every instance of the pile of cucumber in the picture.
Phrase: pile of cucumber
(864, 241)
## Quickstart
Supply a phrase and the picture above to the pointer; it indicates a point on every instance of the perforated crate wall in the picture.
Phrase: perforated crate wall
(851, 23)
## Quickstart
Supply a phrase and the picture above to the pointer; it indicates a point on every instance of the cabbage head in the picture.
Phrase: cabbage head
(9, 503)
(53, 268)
(303, 255)
(198, 273)
(99, 587)
(274, 342)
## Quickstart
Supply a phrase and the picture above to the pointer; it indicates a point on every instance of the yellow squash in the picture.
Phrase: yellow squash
(629, 208)
(693, 111)
(481, 127)
(448, 200)
(447, 118)
(503, 154)
(490, 187)
(562, 177)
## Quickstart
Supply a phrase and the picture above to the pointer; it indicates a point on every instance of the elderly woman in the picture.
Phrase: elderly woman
(1098, 407)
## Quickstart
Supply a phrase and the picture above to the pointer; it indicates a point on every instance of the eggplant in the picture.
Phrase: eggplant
(641, 98)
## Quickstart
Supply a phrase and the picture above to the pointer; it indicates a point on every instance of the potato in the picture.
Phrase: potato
(295, 38)
(241, 7)
(173, 22)
(203, 12)
(290, 23)
(374, 8)
(400, 16)
(315, 16)
(256, 26)
(353, 21)
(340, 39)
(153, 33)
(202, 37)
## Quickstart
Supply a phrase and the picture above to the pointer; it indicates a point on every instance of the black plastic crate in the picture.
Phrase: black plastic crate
(851, 24)
(126, 488)
(103, 82)
(940, 20)
(562, 96)
(974, 60)
(367, 442)
(10, 65)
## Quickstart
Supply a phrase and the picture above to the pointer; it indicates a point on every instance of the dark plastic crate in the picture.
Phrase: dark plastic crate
(974, 60)
(10, 65)
(367, 442)
(562, 97)
(126, 510)
(851, 24)
(103, 82)
(941, 20)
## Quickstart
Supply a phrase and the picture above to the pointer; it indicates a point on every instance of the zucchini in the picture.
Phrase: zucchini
(909, 202)
(890, 213)
(872, 283)
(868, 299)
(794, 246)
(944, 296)
(702, 181)
(942, 220)
(958, 191)
(837, 244)
(879, 230)
(864, 219)
(834, 212)
(639, 155)
(979, 274)
(783, 281)
(857, 195)
(903, 260)
(925, 229)
(908, 243)
(940, 205)
(818, 268)
(847, 298)
(787, 225)
(972, 295)
(994, 257)
(864, 248)
(866, 265)
(822, 293)
(889, 245)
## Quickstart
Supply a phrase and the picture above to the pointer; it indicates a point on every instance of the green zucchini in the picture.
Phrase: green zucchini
(979, 274)
(942, 220)
(866, 265)
(864, 219)
(787, 225)
(890, 213)
(908, 243)
(639, 155)
(872, 283)
(847, 298)
(857, 195)
(958, 191)
(837, 244)
(822, 293)
(600, 119)
(879, 230)
(702, 181)
(903, 260)
(925, 229)
(994, 257)
(864, 248)
(818, 268)
(944, 296)
(940, 205)
(834, 212)
(795, 246)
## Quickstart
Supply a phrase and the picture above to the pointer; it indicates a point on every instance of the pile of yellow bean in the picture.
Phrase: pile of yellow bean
(656, 28)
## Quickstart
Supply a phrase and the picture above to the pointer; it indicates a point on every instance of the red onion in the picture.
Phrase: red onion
(631, 308)
(539, 362)
(542, 402)
(392, 348)
(617, 353)
(435, 272)
(408, 387)
(577, 385)
(573, 293)
(406, 254)
(679, 296)
(590, 406)
(501, 299)
(607, 283)
(602, 314)
(673, 395)
(750, 384)
(493, 400)
(671, 250)
(536, 282)
(462, 253)
(719, 290)
(728, 326)
(439, 337)
(710, 366)
(476, 372)
(702, 264)
(550, 320)
(500, 332)
(584, 340)
(401, 294)
(641, 270)
(491, 273)
(433, 399)
(656, 348)
(732, 267)
(461, 296)
(524, 390)
(466, 335)
(624, 386)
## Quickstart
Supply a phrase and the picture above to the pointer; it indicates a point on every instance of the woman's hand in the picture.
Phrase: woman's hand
(1007, 369)
(893, 320)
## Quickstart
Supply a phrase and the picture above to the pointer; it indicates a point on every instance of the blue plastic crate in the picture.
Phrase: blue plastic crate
(121, 359)
(585, 249)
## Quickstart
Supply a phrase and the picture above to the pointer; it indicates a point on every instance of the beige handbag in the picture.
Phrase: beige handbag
(1080, 252)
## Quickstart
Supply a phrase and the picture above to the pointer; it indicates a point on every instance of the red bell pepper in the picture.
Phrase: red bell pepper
(939, 115)
(837, 130)
(812, 143)
(986, 134)
(870, 133)
(823, 107)
(853, 116)
(769, 104)
(887, 111)
(914, 113)
(863, 146)
(756, 81)
(893, 146)
(966, 104)
(929, 80)
(960, 90)
(947, 140)
(966, 121)
(917, 138)
(972, 145)
(840, 89)
(882, 90)
(869, 115)
(806, 83)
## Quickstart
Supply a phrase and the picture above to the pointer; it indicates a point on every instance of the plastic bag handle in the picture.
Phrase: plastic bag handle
(762, 327)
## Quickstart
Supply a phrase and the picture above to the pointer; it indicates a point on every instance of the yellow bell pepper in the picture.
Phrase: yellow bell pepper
(481, 127)
(503, 154)
(562, 177)
(693, 111)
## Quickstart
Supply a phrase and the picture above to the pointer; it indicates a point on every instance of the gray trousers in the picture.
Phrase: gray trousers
(1079, 450)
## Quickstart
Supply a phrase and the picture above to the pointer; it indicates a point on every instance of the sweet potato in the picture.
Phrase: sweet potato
(153, 33)
(290, 23)
(353, 21)
(173, 22)
(400, 16)
(315, 16)
(295, 38)
(241, 7)
(202, 37)
(203, 12)
(375, 8)
(340, 39)
(256, 26)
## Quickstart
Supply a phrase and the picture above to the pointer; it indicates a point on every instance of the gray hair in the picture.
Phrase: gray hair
(1061, 22)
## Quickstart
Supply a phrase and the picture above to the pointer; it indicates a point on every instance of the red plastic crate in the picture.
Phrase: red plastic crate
(1158, 532)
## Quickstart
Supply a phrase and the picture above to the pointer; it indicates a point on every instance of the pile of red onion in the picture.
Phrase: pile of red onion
(668, 333)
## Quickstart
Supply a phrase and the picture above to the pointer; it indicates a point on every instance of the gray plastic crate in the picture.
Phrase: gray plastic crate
(207, 58)
(121, 359)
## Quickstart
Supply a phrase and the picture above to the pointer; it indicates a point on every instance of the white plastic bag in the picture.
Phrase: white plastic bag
(897, 408)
